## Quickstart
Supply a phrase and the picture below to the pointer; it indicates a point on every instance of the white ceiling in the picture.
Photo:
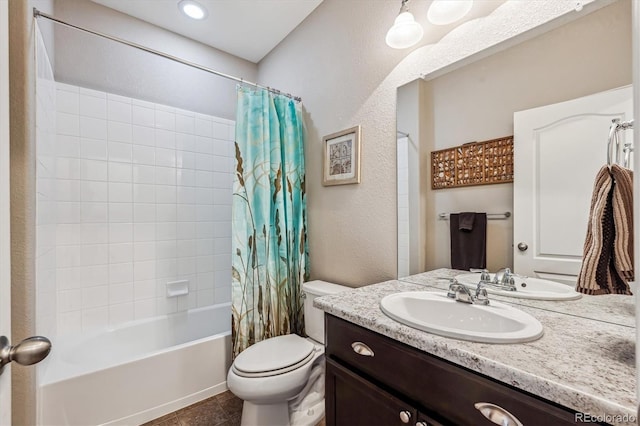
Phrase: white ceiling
(248, 29)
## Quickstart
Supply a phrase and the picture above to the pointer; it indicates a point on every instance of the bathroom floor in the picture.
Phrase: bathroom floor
(223, 409)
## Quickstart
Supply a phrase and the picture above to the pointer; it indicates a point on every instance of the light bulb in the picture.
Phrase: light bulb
(445, 12)
(192, 9)
(405, 32)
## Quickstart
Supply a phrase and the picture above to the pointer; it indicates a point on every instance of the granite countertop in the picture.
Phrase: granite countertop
(585, 364)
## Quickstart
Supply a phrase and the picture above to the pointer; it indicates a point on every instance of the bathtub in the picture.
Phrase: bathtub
(137, 372)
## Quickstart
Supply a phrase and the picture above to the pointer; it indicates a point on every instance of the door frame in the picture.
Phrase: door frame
(635, 45)
(5, 243)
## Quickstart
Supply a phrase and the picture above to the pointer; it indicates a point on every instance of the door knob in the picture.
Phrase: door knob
(30, 351)
(522, 246)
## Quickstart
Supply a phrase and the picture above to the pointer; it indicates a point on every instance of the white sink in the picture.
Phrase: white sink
(436, 313)
(534, 288)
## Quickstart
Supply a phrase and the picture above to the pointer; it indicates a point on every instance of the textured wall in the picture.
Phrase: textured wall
(99, 64)
(348, 76)
(22, 108)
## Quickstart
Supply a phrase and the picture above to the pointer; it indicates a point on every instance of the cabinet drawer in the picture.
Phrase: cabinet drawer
(436, 385)
(356, 402)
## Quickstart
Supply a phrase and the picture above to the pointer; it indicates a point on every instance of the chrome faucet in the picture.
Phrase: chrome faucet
(484, 274)
(504, 279)
(461, 293)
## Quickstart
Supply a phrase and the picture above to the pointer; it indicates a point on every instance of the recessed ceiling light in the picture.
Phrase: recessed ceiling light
(192, 9)
(445, 12)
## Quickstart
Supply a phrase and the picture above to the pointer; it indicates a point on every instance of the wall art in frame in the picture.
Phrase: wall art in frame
(341, 157)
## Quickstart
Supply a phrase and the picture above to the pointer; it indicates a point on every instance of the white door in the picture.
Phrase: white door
(5, 267)
(558, 151)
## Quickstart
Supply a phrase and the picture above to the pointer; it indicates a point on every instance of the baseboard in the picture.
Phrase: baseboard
(170, 407)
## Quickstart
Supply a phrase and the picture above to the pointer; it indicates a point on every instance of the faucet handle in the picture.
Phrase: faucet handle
(484, 273)
(454, 285)
(482, 297)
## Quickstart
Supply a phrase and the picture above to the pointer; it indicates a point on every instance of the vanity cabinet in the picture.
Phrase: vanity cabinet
(356, 401)
(374, 380)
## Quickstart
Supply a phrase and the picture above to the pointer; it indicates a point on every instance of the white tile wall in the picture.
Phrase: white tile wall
(46, 192)
(142, 197)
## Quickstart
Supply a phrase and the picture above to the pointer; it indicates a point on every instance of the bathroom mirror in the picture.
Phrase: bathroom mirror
(476, 102)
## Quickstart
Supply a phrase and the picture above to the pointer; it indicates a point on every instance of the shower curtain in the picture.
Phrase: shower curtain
(269, 244)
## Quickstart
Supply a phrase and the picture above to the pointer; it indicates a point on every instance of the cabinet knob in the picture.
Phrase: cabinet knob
(362, 349)
(522, 246)
(422, 424)
(496, 414)
(405, 416)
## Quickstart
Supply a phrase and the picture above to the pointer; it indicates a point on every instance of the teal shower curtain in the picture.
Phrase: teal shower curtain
(269, 244)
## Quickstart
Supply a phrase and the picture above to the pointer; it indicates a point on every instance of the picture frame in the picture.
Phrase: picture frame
(341, 157)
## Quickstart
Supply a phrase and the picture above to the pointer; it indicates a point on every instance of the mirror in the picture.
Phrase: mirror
(476, 102)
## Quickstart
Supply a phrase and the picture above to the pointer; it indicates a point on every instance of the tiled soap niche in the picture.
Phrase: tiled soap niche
(474, 163)
(143, 197)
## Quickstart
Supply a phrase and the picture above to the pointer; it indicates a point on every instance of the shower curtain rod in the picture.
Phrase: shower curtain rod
(38, 14)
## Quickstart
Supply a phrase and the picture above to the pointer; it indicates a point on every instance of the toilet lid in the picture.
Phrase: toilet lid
(276, 353)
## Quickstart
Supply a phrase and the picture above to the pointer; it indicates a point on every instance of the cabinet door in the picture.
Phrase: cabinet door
(361, 402)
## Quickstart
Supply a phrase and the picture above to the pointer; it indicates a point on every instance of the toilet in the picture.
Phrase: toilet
(281, 379)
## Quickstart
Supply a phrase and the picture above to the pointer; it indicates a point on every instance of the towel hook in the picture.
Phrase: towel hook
(627, 148)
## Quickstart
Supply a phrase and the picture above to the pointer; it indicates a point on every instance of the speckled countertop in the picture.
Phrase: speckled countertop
(586, 364)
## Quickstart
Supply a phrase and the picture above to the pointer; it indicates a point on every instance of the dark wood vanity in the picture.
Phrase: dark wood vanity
(372, 379)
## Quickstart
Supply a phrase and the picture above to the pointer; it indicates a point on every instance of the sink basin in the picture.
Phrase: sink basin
(536, 288)
(436, 313)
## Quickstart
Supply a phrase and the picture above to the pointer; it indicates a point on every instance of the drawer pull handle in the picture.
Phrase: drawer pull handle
(496, 414)
(405, 416)
(362, 349)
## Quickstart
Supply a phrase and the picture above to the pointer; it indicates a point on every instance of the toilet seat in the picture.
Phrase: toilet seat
(274, 356)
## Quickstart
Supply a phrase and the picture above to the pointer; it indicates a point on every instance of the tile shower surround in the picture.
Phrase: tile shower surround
(143, 197)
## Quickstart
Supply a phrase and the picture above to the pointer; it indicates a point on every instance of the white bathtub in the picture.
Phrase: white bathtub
(137, 372)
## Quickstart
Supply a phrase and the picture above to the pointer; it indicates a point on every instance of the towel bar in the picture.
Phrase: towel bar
(490, 216)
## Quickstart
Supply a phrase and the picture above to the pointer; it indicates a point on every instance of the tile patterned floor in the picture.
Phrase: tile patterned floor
(224, 409)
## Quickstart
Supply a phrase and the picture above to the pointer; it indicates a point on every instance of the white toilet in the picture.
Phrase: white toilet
(281, 379)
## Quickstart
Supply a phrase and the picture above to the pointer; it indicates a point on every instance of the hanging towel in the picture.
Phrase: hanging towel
(623, 221)
(468, 246)
(607, 263)
(465, 221)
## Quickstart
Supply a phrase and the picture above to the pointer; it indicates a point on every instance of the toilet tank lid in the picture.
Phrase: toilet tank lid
(323, 288)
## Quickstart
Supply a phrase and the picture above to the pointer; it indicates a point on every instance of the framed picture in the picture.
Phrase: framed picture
(341, 158)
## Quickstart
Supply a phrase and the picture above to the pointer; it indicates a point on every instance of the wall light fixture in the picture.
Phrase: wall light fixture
(445, 12)
(405, 32)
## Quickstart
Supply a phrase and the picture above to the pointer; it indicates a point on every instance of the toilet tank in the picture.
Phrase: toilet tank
(314, 317)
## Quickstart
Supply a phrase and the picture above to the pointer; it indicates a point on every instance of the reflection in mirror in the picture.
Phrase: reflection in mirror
(477, 102)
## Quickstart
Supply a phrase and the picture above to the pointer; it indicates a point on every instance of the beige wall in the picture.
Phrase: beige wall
(477, 103)
(337, 61)
(89, 61)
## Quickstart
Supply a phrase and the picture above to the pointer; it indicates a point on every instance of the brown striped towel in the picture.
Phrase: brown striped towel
(607, 264)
